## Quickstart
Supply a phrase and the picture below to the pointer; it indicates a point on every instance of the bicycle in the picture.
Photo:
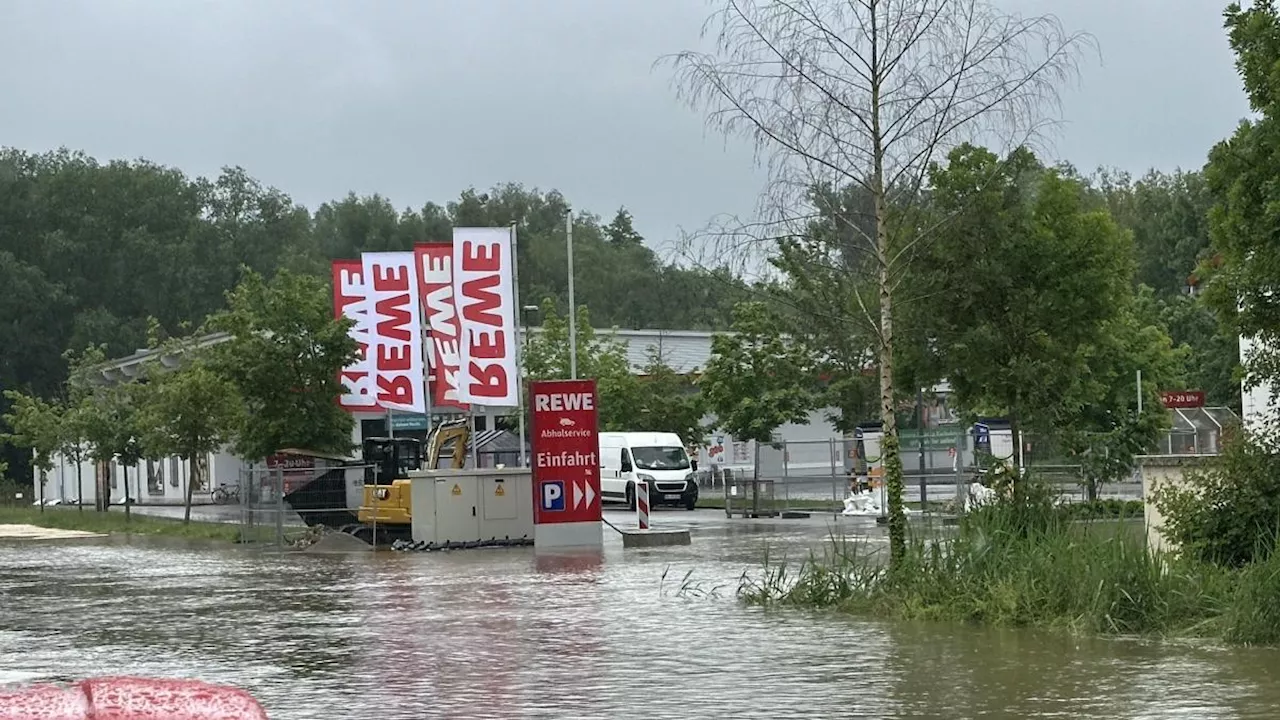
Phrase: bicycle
(224, 494)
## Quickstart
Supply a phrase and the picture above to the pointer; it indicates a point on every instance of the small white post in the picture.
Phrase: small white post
(642, 505)
(1139, 393)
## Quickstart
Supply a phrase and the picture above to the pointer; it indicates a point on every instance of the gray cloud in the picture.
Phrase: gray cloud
(419, 99)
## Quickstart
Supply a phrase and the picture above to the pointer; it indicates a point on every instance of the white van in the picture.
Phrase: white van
(658, 459)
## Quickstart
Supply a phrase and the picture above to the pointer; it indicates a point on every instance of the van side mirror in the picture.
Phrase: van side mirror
(626, 465)
(693, 464)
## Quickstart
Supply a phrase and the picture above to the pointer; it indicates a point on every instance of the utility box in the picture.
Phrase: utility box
(470, 505)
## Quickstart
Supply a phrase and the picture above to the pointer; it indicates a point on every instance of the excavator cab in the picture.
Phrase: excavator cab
(390, 458)
(386, 493)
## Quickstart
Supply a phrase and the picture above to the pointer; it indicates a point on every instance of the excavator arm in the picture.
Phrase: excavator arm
(456, 431)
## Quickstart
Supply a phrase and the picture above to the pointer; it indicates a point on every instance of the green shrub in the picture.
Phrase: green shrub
(1024, 561)
(1229, 512)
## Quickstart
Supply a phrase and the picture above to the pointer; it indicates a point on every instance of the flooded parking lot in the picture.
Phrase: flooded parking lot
(502, 633)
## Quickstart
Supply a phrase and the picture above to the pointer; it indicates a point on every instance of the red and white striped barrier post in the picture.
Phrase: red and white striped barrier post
(642, 504)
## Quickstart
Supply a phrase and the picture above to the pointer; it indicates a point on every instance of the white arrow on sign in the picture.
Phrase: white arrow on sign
(583, 491)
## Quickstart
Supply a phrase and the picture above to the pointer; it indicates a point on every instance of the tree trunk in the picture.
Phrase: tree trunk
(79, 486)
(127, 500)
(890, 450)
(40, 492)
(191, 485)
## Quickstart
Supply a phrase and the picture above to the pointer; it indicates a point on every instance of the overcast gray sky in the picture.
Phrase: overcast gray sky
(418, 99)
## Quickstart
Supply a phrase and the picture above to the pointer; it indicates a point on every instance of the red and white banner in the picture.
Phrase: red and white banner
(349, 296)
(435, 285)
(484, 294)
(395, 353)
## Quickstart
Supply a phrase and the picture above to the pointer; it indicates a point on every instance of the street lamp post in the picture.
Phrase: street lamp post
(573, 308)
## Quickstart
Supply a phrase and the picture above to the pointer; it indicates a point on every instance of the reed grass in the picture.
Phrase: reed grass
(1033, 566)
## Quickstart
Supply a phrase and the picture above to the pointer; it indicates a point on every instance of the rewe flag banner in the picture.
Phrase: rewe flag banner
(484, 295)
(349, 298)
(435, 285)
(395, 348)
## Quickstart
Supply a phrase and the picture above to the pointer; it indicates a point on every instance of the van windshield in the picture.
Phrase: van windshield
(660, 458)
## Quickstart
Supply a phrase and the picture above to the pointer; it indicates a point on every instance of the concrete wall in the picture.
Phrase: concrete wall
(1159, 471)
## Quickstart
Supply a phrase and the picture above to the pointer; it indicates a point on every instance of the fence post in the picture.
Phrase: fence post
(835, 482)
(279, 488)
(244, 516)
(642, 505)
(755, 481)
(786, 475)
(727, 486)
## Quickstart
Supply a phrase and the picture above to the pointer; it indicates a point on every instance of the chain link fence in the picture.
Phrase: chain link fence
(284, 506)
(280, 506)
(817, 475)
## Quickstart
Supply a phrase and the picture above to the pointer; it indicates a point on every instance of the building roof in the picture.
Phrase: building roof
(685, 351)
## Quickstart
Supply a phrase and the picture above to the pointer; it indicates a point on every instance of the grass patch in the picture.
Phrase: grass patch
(1034, 567)
(115, 523)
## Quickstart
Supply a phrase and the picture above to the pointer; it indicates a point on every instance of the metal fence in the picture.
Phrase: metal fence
(288, 506)
(817, 475)
(282, 506)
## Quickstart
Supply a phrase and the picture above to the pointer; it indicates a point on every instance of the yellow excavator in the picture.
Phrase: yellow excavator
(386, 505)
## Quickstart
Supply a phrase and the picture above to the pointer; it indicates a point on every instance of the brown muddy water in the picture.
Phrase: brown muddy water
(505, 633)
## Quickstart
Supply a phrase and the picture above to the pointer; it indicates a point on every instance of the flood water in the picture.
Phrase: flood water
(504, 633)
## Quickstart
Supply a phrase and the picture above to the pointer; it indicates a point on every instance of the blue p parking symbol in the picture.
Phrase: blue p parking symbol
(553, 496)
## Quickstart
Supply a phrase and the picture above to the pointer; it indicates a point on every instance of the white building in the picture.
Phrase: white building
(1256, 406)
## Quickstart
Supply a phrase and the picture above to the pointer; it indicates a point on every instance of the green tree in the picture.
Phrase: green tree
(190, 411)
(73, 442)
(1208, 349)
(1033, 315)
(284, 358)
(89, 250)
(622, 231)
(546, 357)
(1105, 431)
(668, 401)
(36, 426)
(1240, 176)
(1022, 281)
(757, 379)
(109, 416)
(1168, 216)
(872, 94)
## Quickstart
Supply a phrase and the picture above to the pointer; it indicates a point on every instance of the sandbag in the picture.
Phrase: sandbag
(130, 698)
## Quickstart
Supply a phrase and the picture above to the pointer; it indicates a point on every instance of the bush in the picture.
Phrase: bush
(1024, 561)
(1111, 508)
(1229, 513)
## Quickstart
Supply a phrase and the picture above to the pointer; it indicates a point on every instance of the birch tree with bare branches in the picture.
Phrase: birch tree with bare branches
(868, 94)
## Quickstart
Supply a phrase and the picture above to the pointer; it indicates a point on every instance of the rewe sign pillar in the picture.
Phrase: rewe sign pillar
(566, 464)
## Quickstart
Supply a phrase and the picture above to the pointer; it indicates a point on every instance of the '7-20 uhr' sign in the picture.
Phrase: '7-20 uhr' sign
(566, 462)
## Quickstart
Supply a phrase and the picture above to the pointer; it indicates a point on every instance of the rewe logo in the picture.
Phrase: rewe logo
(559, 402)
